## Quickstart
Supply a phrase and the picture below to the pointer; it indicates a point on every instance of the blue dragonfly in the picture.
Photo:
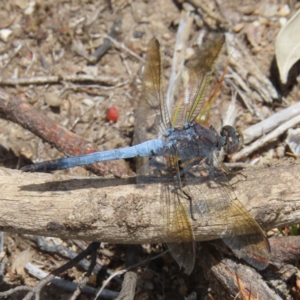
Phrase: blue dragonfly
(183, 162)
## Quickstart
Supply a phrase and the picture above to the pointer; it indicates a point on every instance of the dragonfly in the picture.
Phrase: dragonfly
(183, 164)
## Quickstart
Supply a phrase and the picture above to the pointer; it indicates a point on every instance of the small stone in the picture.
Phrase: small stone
(188, 7)
(131, 120)
(189, 52)
(166, 36)
(199, 21)
(280, 151)
(246, 9)
(282, 21)
(30, 8)
(268, 10)
(52, 99)
(263, 21)
(4, 34)
(137, 34)
(238, 27)
(88, 102)
(284, 11)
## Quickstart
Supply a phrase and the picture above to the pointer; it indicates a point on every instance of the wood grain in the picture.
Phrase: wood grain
(118, 211)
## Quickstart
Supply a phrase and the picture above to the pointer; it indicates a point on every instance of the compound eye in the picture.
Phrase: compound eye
(233, 139)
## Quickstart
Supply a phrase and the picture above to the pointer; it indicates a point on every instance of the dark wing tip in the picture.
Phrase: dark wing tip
(262, 260)
(223, 38)
(259, 263)
(153, 42)
(219, 38)
(268, 246)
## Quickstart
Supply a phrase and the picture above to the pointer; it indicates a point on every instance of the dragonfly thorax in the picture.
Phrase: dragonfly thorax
(204, 140)
(195, 139)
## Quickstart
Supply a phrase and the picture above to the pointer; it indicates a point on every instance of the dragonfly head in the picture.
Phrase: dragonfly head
(233, 140)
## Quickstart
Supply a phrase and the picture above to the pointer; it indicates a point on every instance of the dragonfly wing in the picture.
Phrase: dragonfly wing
(191, 83)
(250, 242)
(218, 208)
(161, 171)
(152, 119)
(182, 251)
(151, 115)
(184, 255)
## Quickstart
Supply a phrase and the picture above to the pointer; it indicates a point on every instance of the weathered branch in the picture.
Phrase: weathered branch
(24, 114)
(119, 211)
(233, 279)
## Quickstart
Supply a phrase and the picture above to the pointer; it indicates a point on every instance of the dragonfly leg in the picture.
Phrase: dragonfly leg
(189, 198)
(188, 167)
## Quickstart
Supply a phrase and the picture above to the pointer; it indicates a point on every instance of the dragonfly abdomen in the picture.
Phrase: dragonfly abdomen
(148, 148)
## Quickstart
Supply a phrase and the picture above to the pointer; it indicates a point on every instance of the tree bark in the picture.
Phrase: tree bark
(118, 211)
(27, 116)
(229, 279)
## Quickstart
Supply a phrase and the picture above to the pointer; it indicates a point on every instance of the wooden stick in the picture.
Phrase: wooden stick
(22, 113)
(264, 140)
(101, 79)
(118, 211)
(259, 129)
(229, 278)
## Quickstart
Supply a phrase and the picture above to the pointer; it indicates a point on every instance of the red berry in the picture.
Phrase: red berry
(112, 114)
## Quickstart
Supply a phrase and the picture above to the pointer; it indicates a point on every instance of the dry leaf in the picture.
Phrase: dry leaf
(293, 140)
(20, 259)
(287, 47)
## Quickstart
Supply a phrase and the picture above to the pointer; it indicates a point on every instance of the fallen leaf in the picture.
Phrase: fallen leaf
(287, 46)
(20, 259)
(293, 140)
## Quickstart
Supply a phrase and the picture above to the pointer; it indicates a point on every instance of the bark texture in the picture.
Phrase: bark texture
(118, 211)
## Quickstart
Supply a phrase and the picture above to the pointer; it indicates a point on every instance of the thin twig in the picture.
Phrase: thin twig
(203, 6)
(95, 16)
(256, 71)
(101, 79)
(16, 51)
(15, 290)
(128, 269)
(237, 165)
(64, 252)
(51, 277)
(86, 277)
(266, 139)
(128, 286)
(2, 257)
(125, 63)
(82, 246)
(271, 123)
(121, 46)
(100, 51)
(248, 69)
(66, 285)
(232, 112)
(236, 77)
(32, 61)
(182, 36)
